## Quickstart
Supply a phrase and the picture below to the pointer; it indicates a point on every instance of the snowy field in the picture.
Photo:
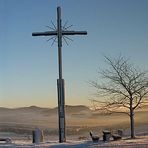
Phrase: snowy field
(73, 141)
(139, 142)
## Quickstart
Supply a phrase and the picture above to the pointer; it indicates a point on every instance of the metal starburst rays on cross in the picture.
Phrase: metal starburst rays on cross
(54, 39)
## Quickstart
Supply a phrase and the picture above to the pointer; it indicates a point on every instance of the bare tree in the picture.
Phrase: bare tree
(124, 87)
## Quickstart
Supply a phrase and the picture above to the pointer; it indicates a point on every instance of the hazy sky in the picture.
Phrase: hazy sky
(29, 65)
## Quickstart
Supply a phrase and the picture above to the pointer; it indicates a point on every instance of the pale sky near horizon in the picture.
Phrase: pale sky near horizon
(29, 65)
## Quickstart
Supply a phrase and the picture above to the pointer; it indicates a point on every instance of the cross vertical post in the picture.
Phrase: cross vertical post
(60, 82)
(59, 32)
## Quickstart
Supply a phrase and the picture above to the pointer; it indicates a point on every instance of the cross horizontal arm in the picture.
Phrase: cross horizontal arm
(49, 33)
(74, 33)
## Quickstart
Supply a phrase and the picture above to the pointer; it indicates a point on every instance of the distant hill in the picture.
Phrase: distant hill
(76, 116)
(36, 116)
(3, 109)
(69, 109)
(142, 109)
(22, 109)
(30, 108)
(77, 109)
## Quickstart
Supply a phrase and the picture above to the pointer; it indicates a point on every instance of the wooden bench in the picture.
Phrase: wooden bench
(95, 138)
(116, 137)
(6, 140)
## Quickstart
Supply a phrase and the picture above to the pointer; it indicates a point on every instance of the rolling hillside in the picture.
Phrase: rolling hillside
(78, 119)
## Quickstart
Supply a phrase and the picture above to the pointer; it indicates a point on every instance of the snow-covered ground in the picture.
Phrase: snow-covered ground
(139, 142)
(78, 141)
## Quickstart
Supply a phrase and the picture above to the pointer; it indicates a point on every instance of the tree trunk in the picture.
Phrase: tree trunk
(132, 124)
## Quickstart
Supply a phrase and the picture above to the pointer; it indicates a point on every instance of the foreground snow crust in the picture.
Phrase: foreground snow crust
(139, 142)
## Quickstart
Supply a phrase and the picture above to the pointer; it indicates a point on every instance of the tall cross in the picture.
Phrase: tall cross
(59, 32)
